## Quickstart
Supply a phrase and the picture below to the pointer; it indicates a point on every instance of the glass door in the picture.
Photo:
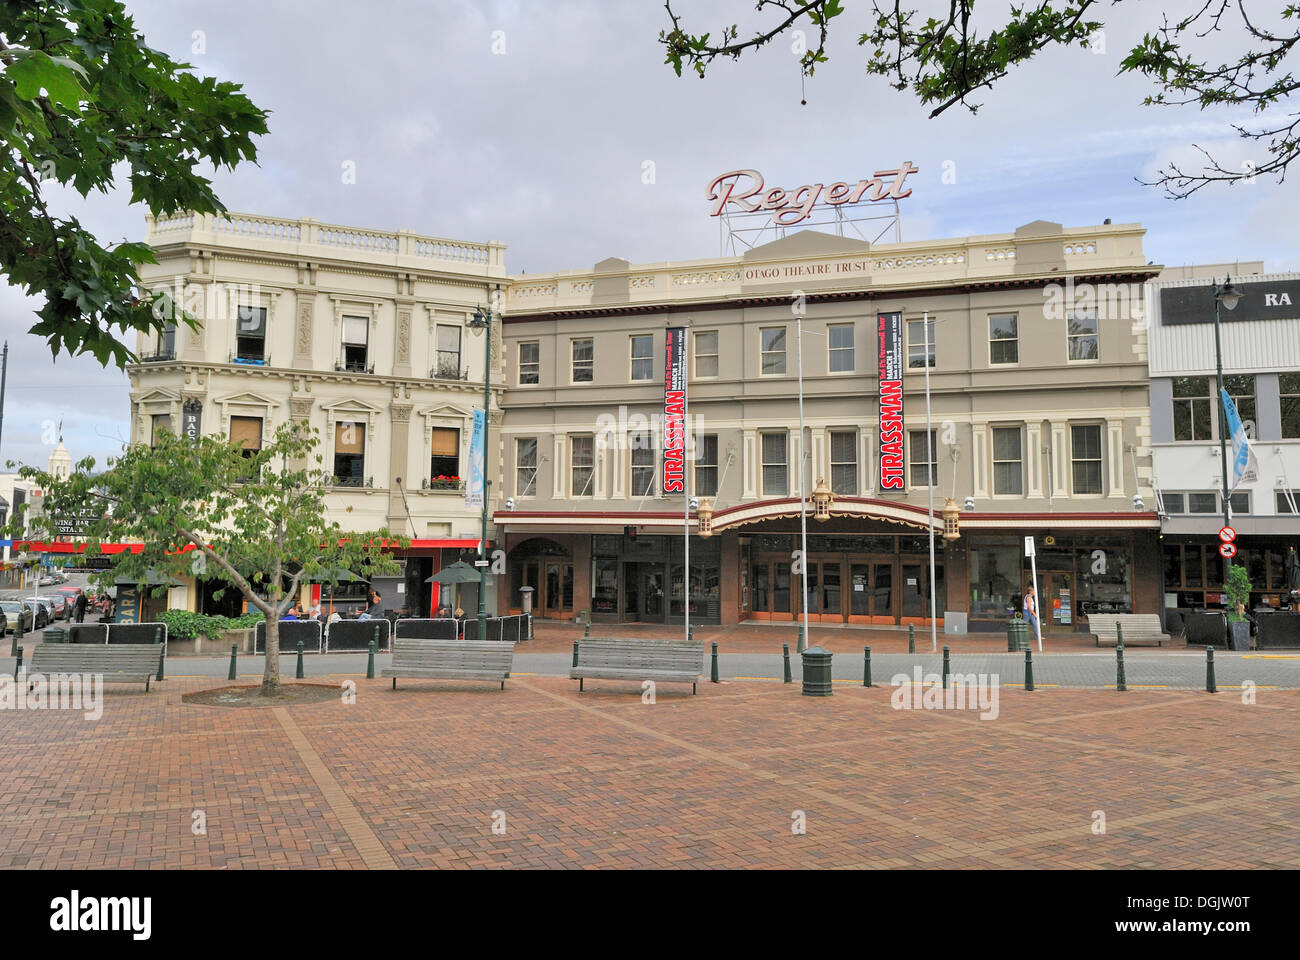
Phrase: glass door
(882, 592)
(771, 590)
(825, 583)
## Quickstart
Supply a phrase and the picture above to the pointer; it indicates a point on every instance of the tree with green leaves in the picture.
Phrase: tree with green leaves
(206, 508)
(944, 60)
(81, 92)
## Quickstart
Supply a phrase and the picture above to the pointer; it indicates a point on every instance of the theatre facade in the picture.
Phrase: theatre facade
(1040, 426)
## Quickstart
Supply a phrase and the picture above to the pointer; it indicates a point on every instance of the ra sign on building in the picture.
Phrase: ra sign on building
(675, 410)
(889, 328)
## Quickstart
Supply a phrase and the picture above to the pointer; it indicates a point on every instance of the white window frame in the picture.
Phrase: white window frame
(696, 355)
(785, 350)
(573, 363)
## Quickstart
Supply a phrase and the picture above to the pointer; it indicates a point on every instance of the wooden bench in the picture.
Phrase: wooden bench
(122, 663)
(451, 660)
(1140, 629)
(670, 661)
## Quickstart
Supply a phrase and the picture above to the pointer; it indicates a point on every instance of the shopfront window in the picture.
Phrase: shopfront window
(1103, 580)
(604, 587)
(994, 580)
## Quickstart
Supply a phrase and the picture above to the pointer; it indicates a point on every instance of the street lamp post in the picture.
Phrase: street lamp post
(483, 321)
(804, 638)
(1228, 295)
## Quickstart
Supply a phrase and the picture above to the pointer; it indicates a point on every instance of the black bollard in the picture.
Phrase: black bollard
(162, 654)
(298, 674)
(234, 647)
(575, 653)
(1120, 682)
(1029, 671)
(18, 662)
(911, 638)
(946, 666)
(785, 652)
(866, 666)
(713, 672)
(370, 661)
(1210, 685)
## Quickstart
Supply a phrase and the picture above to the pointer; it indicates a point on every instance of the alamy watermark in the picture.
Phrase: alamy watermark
(965, 691)
(58, 691)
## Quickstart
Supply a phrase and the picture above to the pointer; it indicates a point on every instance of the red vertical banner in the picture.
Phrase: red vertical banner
(889, 330)
(675, 410)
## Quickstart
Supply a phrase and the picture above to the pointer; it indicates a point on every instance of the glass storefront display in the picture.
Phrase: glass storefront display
(995, 579)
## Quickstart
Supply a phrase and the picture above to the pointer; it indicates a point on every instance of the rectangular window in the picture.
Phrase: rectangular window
(167, 343)
(706, 354)
(246, 433)
(643, 465)
(1192, 408)
(159, 423)
(349, 453)
(1081, 336)
(1288, 389)
(844, 461)
(1175, 503)
(1283, 504)
(840, 338)
(446, 362)
(356, 336)
(920, 343)
(444, 455)
(530, 363)
(706, 466)
(772, 350)
(643, 349)
(526, 467)
(1085, 459)
(1008, 466)
(1240, 503)
(582, 463)
(775, 483)
(924, 463)
(1202, 503)
(584, 364)
(250, 335)
(1241, 387)
(1004, 338)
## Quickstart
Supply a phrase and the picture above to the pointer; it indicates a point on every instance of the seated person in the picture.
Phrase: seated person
(294, 613)
(444, 612)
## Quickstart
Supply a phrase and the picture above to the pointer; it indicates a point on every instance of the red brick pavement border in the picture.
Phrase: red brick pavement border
(418, 778)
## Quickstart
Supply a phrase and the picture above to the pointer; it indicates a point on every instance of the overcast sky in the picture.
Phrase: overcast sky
(543, 146)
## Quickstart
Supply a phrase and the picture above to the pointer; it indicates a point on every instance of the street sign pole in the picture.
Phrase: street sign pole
(1033, 573)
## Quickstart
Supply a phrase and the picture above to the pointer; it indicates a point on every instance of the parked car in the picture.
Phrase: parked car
(16, 611)
(59, 602)
(40, 615)
(51, 612)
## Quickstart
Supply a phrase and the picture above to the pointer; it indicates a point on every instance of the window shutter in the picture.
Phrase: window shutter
(246, 432)
(446, 442)
(349, 437)
(355, 330)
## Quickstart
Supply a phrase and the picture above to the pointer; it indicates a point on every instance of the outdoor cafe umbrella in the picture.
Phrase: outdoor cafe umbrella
(458, 573)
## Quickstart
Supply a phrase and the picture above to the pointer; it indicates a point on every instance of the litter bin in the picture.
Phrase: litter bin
(817, 672)
(1017, 635)
(54, 635)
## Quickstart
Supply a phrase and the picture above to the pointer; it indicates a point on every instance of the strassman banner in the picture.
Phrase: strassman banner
(474, 486)
(889, 329)
(675, 410)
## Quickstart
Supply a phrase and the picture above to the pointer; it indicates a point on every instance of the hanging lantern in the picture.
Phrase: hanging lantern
(822, 499)
(704, 516)
(951, 520)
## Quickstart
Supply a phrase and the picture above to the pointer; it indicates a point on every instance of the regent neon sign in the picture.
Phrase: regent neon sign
(746, 190)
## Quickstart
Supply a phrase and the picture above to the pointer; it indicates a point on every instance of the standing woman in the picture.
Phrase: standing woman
(1031, 609)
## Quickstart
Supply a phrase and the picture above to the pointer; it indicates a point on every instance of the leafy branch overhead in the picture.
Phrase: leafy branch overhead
(945, 60)
(80, 93)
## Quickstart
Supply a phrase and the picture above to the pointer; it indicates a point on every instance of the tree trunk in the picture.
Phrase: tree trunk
(271, 675)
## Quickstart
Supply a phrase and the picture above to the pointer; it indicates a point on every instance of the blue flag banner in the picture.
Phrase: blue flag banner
(474, 486)
(1243, 463)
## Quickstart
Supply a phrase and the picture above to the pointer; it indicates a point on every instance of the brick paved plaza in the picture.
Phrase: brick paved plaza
(412, 779)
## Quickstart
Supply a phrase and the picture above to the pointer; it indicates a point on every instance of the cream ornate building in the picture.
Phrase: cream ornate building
(363, 334)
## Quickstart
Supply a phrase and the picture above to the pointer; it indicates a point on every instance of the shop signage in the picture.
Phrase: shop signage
(474, 489)
(675, 410)
(889, 330)
(747, 191)
(1260, 300)
(191, 419)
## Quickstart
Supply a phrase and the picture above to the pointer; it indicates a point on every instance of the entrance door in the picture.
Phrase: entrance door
(652, 592)
(1057, 602)
(771, 590)
(557, 600)
(825, 586)
(872, 592)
